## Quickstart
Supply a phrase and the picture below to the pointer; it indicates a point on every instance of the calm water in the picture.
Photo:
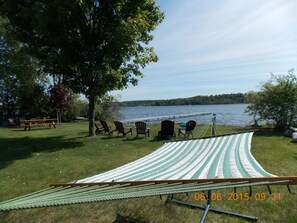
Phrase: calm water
(226, 114)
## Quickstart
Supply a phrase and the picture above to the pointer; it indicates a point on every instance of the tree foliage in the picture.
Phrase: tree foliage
(107, 108)
(22, 91)
(75, 108)
(59, 97)
(277, 100)
(196, 100)
(97, 45)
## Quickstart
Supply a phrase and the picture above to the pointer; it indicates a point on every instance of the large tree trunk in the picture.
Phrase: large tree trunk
(91, 115)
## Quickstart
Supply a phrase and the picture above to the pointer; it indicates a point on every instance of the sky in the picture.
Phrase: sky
(208, 47)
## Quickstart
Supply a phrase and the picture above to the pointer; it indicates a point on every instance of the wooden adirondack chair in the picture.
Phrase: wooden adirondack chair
(167, 130)
(106, 128)
(120, 128)
(141, 129)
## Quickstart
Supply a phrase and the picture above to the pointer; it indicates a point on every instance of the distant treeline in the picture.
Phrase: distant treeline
(237, 98)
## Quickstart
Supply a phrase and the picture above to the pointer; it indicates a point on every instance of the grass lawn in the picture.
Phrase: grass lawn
(31, 160)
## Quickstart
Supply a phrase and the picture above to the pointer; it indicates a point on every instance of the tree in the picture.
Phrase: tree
(22, 85)
(8, 97)
(75, 108)
(97, 45)
(107, 108)
(33, 100)
(59, 99)
(277, 100)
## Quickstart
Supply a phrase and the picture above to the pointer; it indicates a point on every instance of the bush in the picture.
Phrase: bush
(276, 102)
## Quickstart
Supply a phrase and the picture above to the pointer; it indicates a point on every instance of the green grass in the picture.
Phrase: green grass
(31, 160)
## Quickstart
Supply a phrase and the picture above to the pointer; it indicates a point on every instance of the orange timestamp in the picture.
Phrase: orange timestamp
(233, 196)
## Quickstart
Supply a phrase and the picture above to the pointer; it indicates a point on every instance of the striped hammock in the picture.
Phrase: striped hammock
(177, 167)
(218, 157)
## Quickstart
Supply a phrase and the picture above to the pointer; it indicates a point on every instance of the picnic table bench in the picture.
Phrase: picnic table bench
(28, 124)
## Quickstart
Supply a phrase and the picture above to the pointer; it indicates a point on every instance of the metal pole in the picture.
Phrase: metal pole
(207, 208)
(193, 205)
(204, 214)
(213, 131)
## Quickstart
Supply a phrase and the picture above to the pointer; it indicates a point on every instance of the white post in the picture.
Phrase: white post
(213, 131)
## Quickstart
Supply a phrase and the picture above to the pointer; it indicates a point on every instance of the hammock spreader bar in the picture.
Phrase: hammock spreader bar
(289, 180)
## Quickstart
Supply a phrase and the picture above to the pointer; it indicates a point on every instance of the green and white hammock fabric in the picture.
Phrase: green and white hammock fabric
(177, 167)
(218, 157)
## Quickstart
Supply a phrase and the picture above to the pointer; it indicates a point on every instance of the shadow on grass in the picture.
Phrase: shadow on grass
(32, 129)
(268, 132)
(112, 137)
(129, 138)
(138, 138)
(20, 148)
(122, 218)
(125, 138)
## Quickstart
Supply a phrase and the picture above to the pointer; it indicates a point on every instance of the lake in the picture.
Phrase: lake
(231, 114)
